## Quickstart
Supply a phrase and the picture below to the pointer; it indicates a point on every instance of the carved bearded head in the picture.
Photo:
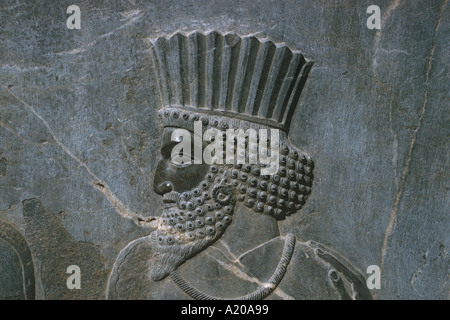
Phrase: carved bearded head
(222, 82)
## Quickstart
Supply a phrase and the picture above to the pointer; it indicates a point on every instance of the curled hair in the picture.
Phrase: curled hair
(278, 195)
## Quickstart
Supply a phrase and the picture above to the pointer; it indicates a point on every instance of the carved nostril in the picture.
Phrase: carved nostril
(163, 187)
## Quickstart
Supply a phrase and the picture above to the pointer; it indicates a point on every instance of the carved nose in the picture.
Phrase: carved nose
(163, 187)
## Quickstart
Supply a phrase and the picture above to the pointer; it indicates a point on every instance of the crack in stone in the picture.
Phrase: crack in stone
(4, 126)
(255, 248)
(120, 208)
(394, 4)
(395, 142)
(393, 215)
(132, 17)
(241, 274)
(17, 68)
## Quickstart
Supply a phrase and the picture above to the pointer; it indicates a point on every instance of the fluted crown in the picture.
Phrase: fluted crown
(228, 75)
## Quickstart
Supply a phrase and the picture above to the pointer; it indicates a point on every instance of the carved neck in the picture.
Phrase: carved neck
(247, 231)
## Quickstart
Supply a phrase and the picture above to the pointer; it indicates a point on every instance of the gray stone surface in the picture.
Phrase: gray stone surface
(80, 135)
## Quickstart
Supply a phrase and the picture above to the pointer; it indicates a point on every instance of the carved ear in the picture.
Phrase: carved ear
(223, 194)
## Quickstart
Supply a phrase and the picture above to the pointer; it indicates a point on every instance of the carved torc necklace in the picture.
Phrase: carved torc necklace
(260, 293)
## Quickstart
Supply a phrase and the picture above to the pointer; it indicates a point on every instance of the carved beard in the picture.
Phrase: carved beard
(187, 228)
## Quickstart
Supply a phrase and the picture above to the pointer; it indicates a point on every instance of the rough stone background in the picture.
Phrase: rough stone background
(79, 106)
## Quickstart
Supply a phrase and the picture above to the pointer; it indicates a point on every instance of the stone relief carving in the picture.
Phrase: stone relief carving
(218, 235)
(16, 267)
